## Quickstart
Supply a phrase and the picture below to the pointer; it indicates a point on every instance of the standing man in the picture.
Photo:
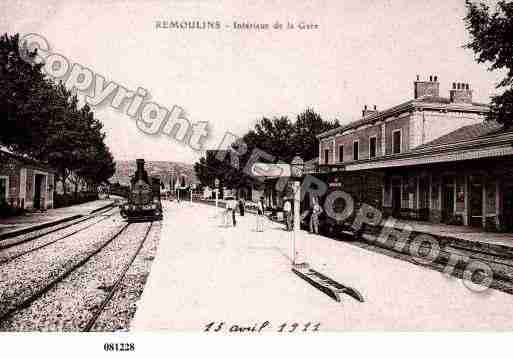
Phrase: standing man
(177, 191)
(241, 206)
(287, 211)
(314, 218)
(230, 205)
(260, 215)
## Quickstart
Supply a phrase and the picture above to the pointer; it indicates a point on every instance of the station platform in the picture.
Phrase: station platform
(205, 272)
(467, 236)
(50, 216)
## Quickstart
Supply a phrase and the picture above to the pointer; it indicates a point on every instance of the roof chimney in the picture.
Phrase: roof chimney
(366, 112)
(460, 93)
(429, 88)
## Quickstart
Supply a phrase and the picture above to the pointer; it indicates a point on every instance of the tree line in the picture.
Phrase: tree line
(41, 119)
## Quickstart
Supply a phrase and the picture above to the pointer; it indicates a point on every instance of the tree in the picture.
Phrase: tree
(209, 167)
(285, 139)
(491, 34)
(42, 120)
(272, 136)
(96, 162)
(306, 128)
(24, 94)
(204, 174)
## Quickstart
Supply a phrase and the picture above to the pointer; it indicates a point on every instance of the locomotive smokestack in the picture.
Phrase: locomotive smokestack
(140, 173)
(140, 165)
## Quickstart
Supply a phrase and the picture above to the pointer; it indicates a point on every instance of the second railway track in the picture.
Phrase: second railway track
(22, 239)
(8, 258)
(40, 292)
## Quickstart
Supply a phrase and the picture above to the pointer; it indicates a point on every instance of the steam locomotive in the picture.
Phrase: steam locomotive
(144, 197)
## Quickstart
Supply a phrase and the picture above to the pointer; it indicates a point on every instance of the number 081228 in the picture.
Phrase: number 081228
(119, 347)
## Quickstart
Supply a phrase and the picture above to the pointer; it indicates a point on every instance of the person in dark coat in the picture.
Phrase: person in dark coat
(287, 212)
(241, 206)
(260, 215)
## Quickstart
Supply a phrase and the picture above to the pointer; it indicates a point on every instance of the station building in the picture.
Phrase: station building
(437, 157)
(25, 183)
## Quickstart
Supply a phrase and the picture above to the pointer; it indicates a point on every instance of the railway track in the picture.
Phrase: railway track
(502, 272)
(39, 293)
(504, 258)
(91, 323)
(12, 242)
(471, 254)
(103, 217)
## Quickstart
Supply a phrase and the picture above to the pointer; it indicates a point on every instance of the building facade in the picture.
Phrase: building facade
(25, 183)
(438, 160)
(403, 127)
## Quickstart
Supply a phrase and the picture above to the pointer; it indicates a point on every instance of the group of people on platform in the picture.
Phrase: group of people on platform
(231, 207)
(232, 204)
(288, 214)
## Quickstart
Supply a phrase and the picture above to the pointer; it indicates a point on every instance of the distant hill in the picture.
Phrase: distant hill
(162, 169)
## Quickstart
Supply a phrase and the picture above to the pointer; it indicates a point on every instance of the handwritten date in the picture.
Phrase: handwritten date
(260, 327)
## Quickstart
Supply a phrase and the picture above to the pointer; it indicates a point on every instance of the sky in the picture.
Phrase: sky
(363, 52)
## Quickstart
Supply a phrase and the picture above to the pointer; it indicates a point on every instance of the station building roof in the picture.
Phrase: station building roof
(424, 103)
(483, 140)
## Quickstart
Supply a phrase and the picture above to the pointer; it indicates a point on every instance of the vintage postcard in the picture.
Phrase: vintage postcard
(257, 167)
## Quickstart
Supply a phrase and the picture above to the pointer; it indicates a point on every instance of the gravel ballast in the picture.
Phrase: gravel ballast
(122, 307)
(16, 250)
(24, 276)
(51, 229)
(71, 303)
